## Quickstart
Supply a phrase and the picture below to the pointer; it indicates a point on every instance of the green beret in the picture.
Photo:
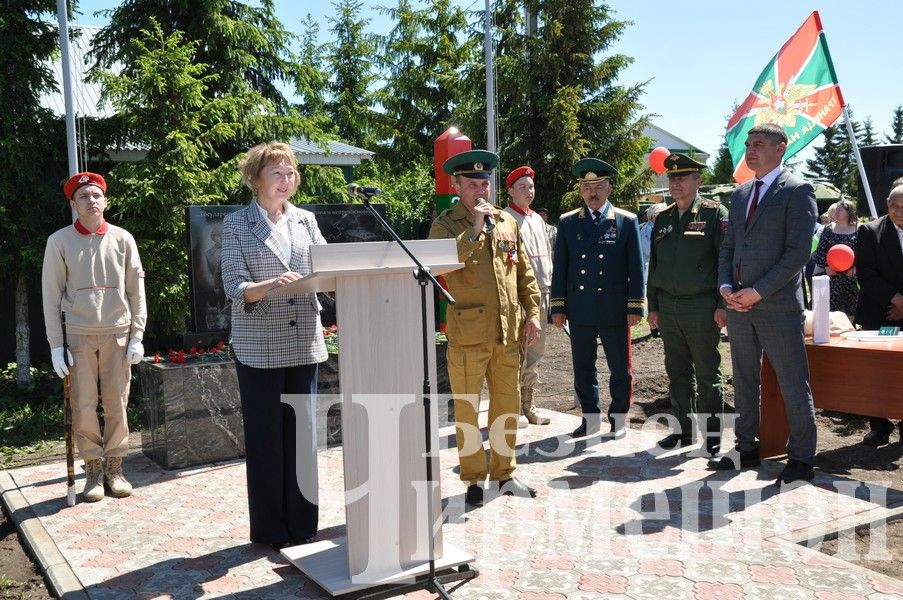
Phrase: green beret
(475, 164)
(678, 165)
(592, 169)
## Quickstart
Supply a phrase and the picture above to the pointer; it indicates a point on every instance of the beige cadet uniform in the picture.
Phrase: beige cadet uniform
(484, 330)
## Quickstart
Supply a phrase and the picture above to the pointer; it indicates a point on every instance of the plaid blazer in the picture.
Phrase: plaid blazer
(279, 331)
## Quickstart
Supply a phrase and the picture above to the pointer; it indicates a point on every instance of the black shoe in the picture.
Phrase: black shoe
(713, 444)
(796, 470)
(672, 440)
(749, 459)
(310, 539)
(876, 438)
(514, 487)
(655, 333)
(585, 430)
(474, 495)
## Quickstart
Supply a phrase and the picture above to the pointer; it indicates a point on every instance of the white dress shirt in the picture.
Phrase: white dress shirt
(280, 231)
(766, 183)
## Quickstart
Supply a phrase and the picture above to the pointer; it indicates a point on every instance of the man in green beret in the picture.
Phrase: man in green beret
(597, 289)
(684, 302)
(485, 326)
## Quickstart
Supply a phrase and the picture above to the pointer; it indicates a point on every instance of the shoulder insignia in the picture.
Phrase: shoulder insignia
(570, 212)
(710, 203)
(625, 213)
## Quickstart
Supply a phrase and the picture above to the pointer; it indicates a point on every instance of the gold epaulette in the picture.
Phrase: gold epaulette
(710, 203)
(570, 212)
(625, 213)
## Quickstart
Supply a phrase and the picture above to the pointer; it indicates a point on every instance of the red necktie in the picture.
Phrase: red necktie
(754, 203)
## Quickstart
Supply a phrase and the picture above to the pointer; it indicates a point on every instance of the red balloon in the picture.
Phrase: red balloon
(657, 159)
(840, 257)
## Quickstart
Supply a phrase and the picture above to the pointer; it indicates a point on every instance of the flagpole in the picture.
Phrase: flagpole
(490, 89)
(63, 18)
(862, 176)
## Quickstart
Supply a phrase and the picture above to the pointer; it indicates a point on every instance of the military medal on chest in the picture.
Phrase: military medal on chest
(663, 232)
(507, 244)
(610, 236)
(695, 228)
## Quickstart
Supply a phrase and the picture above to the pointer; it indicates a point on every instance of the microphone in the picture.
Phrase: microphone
(488, 223)
(363, 192)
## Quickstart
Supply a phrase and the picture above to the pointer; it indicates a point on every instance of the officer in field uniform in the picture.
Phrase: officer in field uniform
(597, 289)
(485, 326)
(684, 302)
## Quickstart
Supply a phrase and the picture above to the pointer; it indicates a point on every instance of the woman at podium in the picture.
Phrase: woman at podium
(277, 343)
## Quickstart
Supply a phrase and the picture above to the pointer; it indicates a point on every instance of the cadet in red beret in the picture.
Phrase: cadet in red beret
(92, 271)
(536, 242)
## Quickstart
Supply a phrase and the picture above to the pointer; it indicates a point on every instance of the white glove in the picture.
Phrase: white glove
(59, 365)
(135, 352)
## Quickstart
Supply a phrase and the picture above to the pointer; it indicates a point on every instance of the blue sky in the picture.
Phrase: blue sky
(701, 57)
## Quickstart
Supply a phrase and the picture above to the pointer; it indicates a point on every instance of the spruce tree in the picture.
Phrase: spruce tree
(32, 157)
(896, 126)
(723, 170)
(560, 100)
(351, 59)
(422, 60)
(164, 97)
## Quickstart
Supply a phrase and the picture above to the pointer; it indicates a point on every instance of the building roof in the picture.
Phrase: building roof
(336, 153)
(672, 142)
(86, 100)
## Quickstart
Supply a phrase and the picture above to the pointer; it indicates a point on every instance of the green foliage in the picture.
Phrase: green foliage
(834, 160)
(406, 195)
(244, 43)
(351, 58)
(31, 201)
(422, 60)
(896, 136)
(559, 98)
(723, 171)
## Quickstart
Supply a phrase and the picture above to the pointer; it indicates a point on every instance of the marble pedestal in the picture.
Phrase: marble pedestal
(193, 411)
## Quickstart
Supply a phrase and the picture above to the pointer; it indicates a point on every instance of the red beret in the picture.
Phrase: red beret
(517, 174)
(82, 179)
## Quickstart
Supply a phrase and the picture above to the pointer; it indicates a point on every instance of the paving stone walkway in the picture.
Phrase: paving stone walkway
(614, 519)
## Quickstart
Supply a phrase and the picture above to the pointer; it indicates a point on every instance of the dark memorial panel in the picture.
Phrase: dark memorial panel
(210, 311)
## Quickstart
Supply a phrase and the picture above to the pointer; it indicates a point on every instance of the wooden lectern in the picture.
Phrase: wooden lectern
(381, 361)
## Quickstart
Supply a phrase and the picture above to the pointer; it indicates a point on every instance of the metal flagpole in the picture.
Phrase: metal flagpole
(490, 90)
(63, 18)
(865, 181)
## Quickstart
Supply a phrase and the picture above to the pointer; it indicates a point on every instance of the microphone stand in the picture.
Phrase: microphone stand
(433, 582)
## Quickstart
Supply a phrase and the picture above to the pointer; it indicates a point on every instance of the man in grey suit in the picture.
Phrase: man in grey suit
(766, 245)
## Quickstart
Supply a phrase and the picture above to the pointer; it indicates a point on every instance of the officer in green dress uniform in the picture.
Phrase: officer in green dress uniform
(684, 303)
(597, 290)
(485, 325)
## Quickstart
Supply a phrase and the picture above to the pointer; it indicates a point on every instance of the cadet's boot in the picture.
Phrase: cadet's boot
(529, 409)
(93, 491)
(119, 487)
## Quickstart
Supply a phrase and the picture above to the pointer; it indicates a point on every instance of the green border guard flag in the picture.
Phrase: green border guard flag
(798, 90)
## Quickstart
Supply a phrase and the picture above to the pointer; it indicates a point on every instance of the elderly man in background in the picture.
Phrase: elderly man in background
(879, 267)
(519, 184)
(597, 291)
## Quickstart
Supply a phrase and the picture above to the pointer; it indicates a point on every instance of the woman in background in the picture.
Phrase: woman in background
(841, 230)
